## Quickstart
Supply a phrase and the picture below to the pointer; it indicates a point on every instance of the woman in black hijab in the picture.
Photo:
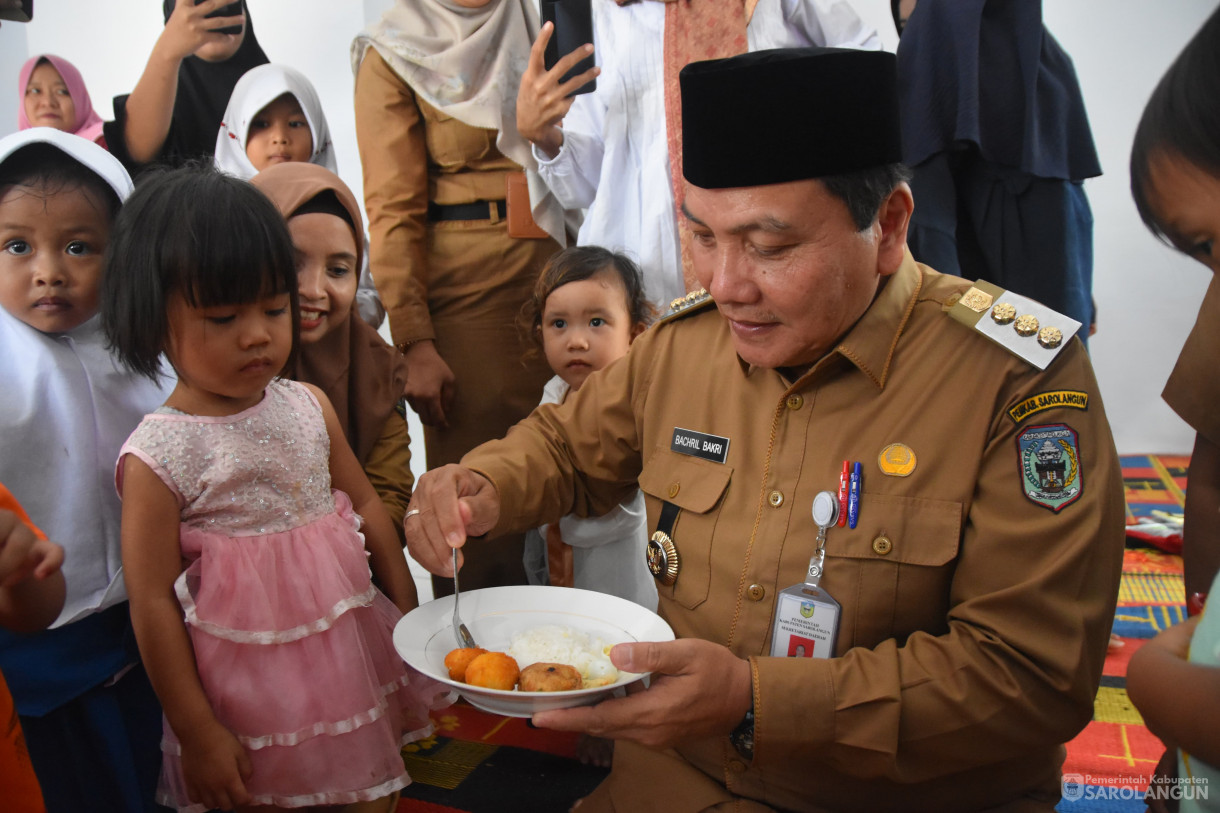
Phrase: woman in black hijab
(174, 111)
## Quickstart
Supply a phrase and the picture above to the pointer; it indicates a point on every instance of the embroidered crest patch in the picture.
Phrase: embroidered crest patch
(1049, 459)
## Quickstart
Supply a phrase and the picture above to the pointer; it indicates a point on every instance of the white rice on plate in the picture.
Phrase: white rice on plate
(559, 644)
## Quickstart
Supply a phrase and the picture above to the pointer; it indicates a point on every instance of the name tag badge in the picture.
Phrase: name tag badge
(697, 444)
(806, 623)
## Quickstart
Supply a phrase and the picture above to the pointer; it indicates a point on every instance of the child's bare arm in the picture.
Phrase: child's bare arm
(213, 762)
(32, 586)
(1179, 700)
(1201, 531)
(386, 557)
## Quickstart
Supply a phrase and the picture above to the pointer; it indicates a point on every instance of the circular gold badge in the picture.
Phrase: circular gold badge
(1050, 337)
(1003, 313)
(1026, 325)
(662, 558)
(897, 460)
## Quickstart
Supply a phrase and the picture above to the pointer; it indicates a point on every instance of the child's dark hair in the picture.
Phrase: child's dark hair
(1182, 117)
(580, 263)
(50, 170)
(212, 238)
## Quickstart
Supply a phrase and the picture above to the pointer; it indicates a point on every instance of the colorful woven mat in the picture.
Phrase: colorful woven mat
(477, 762)
(1109, 763)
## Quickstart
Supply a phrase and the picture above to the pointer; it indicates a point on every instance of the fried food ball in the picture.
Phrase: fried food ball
(549, 677)
(457, 661)
(493, 670)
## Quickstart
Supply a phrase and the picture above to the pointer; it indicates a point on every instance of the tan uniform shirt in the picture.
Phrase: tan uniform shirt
(970, 646)
(1193, 388)
(388, 468)
(413, 153)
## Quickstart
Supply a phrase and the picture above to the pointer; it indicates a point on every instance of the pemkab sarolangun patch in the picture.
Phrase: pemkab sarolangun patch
(1049, 458)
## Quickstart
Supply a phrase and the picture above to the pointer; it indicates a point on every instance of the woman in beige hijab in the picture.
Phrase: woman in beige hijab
(454, 249)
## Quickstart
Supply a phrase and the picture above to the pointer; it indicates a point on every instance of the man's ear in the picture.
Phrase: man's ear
(893, 220)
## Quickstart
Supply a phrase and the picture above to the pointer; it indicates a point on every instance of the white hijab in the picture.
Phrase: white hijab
(468, 62)
(66, 407)
(257, 88)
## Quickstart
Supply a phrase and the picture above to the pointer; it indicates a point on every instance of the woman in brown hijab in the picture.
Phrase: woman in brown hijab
(361, 374)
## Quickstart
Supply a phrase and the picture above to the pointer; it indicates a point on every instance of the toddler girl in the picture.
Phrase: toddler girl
(53, 94)
(587, 307)
(273, 116)
(282, 688)
(91, 720)
(361, 375)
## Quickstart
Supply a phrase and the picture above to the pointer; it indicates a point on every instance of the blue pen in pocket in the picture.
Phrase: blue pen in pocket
(853, 497)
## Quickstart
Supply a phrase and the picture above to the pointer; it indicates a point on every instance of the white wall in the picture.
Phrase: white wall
(1147, 296)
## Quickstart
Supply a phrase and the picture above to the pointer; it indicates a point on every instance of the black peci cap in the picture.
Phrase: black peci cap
(788, 114)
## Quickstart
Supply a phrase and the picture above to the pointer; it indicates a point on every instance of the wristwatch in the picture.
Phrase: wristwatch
(742, 737)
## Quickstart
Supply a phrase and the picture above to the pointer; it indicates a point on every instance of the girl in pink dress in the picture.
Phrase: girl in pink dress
(282, 688)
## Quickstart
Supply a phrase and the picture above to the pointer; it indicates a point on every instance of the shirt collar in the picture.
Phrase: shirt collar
(870, 342)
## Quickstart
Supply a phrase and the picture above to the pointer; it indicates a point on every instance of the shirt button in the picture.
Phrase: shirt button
(674, 488)
(776, 498)
(882, 545)
(736, 766)
(795, 402)
(756, 592)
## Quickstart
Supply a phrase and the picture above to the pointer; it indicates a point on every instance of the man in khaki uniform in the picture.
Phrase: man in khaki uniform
(978, 579)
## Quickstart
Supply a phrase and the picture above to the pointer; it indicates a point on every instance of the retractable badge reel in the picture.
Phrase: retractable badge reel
(806, 616)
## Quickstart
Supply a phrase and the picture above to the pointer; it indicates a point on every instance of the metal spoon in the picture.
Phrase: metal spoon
(464, 638)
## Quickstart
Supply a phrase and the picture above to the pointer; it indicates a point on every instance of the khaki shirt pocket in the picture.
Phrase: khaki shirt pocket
(893, 572)
(696, 486)
(452, 144)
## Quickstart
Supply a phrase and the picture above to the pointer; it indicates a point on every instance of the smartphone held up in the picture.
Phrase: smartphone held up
(573, 22)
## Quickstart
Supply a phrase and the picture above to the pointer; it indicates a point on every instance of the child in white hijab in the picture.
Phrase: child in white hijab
(65, 409)
(277, 104)
(274, 116)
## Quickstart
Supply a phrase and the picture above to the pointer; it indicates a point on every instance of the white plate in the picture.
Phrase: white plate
(493, 615)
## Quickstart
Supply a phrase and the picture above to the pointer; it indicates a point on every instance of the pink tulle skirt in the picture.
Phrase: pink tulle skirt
(295, 652)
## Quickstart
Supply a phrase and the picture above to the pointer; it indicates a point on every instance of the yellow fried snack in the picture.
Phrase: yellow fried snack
(493, 670)
(457, 661)
(549, 677)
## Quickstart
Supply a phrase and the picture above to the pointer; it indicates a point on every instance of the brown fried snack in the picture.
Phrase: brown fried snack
(493, 670)
(549, 677)
(457, 661)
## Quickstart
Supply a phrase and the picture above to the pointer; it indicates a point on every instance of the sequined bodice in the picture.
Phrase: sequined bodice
(263, 470)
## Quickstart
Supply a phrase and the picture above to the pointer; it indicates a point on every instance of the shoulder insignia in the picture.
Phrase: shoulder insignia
(694, 301)
(1017, 323)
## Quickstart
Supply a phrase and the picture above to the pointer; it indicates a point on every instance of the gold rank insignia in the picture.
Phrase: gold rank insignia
(1003, 313)
(690, 303)
(1021, 325)
(976, 300)
(1026, 324)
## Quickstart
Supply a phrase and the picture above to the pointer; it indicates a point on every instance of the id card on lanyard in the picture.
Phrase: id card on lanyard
(806, 616)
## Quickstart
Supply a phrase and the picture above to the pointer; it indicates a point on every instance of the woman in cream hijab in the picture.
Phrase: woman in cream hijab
(454, 249)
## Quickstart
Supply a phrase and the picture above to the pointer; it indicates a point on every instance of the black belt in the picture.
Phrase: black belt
(479, 210)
